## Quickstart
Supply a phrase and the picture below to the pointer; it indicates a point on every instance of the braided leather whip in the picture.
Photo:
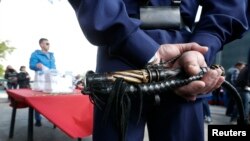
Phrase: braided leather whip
(112, 91)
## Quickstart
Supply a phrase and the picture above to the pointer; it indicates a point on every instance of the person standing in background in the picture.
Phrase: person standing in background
(231, 76)
(11, 77)
(206, 109)
(42, 60)
(23, 78)
(243, 86)
(77, 78)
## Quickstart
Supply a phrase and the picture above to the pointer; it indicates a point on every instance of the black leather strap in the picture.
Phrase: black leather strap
(147, 2)
(176, 2)
(160, 17)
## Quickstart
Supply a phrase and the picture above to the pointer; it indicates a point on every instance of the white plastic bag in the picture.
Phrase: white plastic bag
(38, 84)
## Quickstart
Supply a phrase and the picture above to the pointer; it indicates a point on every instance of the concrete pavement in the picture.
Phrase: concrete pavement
(48, 133)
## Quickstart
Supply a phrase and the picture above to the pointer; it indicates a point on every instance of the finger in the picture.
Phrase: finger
(192, 68)
(220, 81)
(192, 46)
(189, 97)
(211, 78)
(218, 84)
(193, 88)
(168, 51)
(192, 62)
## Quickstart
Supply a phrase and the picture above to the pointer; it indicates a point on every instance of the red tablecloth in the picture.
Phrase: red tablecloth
(72, 113)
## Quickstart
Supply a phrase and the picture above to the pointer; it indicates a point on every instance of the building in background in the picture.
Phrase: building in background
(234, 51)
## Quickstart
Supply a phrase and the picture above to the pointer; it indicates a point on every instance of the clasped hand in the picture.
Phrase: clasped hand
(191, 59)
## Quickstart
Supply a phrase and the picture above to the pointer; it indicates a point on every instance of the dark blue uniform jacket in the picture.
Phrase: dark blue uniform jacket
(123, 45)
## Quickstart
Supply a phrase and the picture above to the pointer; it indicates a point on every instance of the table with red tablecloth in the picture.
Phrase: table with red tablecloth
(72, 113)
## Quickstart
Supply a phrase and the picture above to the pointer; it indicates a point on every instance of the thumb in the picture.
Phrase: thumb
(202, 49)
(192, 68)
(192, 46)
(192, 62)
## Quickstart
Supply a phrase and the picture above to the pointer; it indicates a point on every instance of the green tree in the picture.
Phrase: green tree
(4, 49)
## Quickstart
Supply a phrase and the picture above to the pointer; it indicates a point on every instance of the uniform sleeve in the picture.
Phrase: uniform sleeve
(33, 61)
(221, 22)
(106, 23)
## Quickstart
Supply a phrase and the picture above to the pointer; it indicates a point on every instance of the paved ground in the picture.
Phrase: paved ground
(47, 133)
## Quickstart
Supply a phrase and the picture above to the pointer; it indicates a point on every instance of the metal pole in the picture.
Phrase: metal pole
(30, 124)
(12, 123)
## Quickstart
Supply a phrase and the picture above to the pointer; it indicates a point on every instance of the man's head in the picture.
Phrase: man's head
(78, 76)
(44, 44)
(22, 68)
(239, 65)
